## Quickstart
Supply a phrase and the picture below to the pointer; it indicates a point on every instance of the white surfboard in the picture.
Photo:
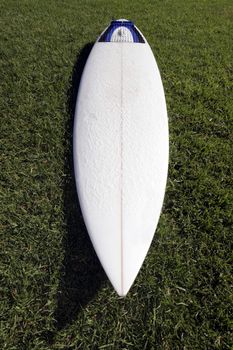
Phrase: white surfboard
(121, 150)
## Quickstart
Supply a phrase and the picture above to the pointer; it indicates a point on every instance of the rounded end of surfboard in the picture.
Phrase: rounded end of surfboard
(122, 31)
(121, 20)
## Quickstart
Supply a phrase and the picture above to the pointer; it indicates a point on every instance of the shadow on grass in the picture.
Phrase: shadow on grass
(82, 272)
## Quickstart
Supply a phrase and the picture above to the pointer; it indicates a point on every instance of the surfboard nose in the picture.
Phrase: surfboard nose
(118, 288)
(122, 287)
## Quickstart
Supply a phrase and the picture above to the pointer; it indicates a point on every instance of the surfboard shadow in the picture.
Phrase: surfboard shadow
(82, 274)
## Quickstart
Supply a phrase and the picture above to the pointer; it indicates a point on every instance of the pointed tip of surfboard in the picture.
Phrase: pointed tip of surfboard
(122, 290)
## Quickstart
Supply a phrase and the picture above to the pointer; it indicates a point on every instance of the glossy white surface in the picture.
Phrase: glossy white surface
(121, 155)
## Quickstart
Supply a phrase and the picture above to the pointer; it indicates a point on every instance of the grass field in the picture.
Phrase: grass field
(53, 291)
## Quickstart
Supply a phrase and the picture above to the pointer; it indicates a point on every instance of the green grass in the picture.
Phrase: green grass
(53, 292)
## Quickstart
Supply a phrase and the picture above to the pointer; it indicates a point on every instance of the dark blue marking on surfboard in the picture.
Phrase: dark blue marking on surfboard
(107, 35)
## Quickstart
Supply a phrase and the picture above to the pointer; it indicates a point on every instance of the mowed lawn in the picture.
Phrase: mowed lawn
(53, 291)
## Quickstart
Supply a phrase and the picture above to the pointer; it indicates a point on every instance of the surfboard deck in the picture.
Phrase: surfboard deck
(121, 150)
